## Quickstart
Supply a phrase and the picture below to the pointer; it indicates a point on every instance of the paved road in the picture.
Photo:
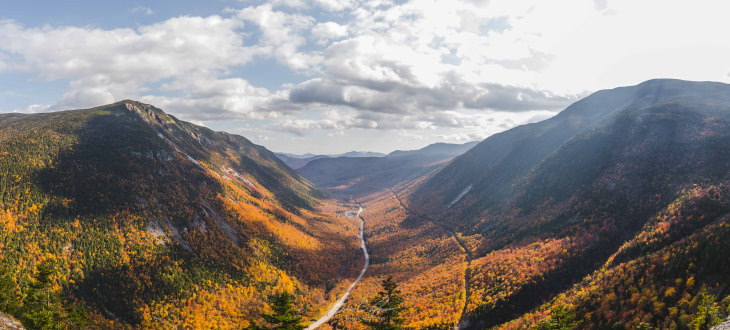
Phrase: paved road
(336, 307)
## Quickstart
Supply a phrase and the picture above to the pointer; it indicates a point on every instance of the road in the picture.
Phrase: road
(340, 302)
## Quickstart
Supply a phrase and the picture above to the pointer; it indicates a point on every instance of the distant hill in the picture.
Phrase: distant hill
(348, 176)
(139, 219)
(298, 161)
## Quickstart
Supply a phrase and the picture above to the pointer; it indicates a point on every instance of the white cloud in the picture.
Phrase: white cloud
(281, 35)
(416, 65)
(328, 31)
(84, 98)
(334, 5)
(142, 10)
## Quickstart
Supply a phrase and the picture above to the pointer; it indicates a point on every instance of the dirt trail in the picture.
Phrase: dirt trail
(462, 246)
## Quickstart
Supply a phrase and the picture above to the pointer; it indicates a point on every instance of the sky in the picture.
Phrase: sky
(330, 76)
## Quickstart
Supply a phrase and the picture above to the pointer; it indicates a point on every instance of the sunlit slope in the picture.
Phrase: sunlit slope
(546, 206)
(148, 220)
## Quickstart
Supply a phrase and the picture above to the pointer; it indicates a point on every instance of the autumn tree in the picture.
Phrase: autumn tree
(386, 307)
(708, 312)
(284, 316)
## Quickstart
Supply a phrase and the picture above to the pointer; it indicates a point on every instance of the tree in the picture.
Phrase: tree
(561, 318)
(284, 316)
(42, 307)
(9, 300)
(708, 312)
(385, 309)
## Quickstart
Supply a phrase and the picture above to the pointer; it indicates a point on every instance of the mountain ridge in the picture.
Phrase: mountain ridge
(148, 220)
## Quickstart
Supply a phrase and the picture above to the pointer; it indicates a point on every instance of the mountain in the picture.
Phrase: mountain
(359, 154)
(299, 161)
(296, 162)
(617, 210)
(124, 215)
(347, 176)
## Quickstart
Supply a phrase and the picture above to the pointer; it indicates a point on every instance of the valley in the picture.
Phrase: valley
(614, 213)
(340, 302)
(530, 222)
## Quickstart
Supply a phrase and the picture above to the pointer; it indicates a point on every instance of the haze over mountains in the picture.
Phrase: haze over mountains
(299, 161)
(614, 214)
(355, 176)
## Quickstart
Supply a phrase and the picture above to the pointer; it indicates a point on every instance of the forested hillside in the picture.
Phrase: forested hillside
(613, 212)
(123, 215)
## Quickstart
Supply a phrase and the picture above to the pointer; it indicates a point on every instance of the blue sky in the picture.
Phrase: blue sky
(329, 76)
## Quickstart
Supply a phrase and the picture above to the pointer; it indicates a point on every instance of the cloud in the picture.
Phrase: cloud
(438, 68)
(142, 10)
(84, 98)
(334, 5)
(33, 108)
(108, 65)
(280, 35)
(327, 31)
(451, 93)
(219, 99)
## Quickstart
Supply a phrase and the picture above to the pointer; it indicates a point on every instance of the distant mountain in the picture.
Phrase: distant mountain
(436, 150)
(621, 199)
(124, 215)
(359, 154)
(298, 161)
(348, 176)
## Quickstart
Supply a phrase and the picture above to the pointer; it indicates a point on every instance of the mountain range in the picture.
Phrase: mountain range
(357, 176)
(613, 214)
(299, 161)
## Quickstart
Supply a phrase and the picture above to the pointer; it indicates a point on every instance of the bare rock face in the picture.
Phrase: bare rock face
(8, 322)
(723, 326)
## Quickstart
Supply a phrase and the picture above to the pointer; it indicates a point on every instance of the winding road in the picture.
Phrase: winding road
(462, 246)
(340, 302)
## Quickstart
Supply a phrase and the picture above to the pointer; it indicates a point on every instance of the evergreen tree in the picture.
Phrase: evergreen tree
(385, 309)
(42, 308)
(284, 316)
(9, 300)
(561, 318)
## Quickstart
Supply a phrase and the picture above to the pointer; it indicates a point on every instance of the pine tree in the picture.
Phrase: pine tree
(385, 309)
(42, 307)
(284, 316)
(561, 318)
(9, 300)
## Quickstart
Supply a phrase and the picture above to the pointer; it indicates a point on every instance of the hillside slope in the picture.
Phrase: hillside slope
(147, 220)
(551, 207)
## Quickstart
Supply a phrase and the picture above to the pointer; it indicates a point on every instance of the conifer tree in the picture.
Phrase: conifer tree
(284, 316)
(561, 318)
(385, 309)
(42, 306)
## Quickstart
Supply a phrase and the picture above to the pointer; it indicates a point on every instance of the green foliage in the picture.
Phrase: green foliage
(42, 308)
(284, 316)
(561, 318)
(708, 313)
(385, 310)
(9, 300)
